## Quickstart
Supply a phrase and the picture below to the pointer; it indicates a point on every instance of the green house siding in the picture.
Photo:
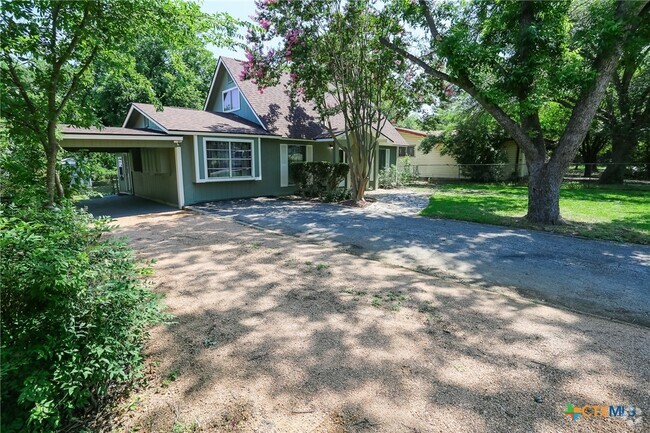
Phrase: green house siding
(267, 166)
(157, 179)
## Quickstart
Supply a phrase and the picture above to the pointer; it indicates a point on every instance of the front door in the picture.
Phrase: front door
(384, 159)
(124, 181)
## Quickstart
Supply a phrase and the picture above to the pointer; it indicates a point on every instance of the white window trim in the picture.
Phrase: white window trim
(223, 93)
(205, 177)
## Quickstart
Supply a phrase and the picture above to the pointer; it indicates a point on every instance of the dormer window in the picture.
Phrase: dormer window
(230, 100)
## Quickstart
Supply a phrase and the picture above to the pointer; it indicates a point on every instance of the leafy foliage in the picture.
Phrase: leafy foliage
(52, 53)
(396, 177)
(514, 58)
(74, 315)
(320, 179)
(331, 52)
(474, 139)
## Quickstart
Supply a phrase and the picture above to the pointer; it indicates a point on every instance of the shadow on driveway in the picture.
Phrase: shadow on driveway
(598, 277)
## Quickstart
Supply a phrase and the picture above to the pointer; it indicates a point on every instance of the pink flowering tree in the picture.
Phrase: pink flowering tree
(332, 53)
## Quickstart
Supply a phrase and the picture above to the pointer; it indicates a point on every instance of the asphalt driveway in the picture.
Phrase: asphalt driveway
(605, 278)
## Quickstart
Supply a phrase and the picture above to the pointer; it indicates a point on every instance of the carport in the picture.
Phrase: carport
(149, 162)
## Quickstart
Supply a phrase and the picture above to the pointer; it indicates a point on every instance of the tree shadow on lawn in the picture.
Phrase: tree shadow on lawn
(300, 344)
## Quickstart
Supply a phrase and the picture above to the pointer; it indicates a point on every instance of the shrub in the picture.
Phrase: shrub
(320, 179)
(397, 177)
(74, 314)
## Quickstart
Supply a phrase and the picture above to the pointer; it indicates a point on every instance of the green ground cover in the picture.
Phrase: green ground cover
(620, 213)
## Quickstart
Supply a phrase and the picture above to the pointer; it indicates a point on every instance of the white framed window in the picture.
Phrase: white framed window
(230, 100)
(229, 159)
(290, 153)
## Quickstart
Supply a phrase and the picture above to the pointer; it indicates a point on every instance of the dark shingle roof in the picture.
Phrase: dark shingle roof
(188, 119)
(287, 117)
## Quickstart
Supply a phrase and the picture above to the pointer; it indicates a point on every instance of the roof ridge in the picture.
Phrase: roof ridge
(169, 106)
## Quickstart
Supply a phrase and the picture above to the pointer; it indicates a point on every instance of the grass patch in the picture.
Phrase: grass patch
(599, 212)
(391, 301)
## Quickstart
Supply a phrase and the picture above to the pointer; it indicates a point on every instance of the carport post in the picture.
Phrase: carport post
(179, 174)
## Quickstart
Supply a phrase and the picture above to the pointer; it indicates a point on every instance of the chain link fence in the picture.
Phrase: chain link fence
(510, 171)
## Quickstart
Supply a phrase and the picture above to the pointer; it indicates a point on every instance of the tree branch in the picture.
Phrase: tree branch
(514, 129)
(18, 83)
(430, 21)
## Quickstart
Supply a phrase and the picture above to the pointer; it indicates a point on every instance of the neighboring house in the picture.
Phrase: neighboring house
(240, 145)
(437, 166)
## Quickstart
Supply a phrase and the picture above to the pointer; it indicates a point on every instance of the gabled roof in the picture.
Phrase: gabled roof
(283, 115)
(418, 132)
(191, 120)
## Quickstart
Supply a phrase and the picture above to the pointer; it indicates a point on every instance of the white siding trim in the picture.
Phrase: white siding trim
(197, 177)
(226, 179)
(100, 136)
(179, 177)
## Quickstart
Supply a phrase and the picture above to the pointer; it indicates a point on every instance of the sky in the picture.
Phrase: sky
(241, 9)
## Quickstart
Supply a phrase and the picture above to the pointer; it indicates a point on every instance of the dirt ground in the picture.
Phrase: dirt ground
(273, 334)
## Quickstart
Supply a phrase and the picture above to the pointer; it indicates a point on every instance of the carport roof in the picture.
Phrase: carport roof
(111, 132)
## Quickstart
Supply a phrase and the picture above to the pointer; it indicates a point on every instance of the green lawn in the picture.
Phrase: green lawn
(593, 211)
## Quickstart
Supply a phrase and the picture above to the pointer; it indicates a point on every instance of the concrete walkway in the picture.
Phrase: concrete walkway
(117, 206)
(605, 278)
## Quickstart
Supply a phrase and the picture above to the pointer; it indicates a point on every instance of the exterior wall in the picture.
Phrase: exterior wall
(269, 185)
(137, 120)
(512, 165)
(440, 166)
(158, 185)
(431, 164)
(224, 82)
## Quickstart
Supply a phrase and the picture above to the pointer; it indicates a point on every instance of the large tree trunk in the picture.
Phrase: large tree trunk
(622, 148)
(51, 178)
(544, 194)
(54, 188)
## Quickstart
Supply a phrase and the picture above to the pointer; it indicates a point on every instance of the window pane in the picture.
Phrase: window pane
(218, 168)
(216, 145)
(297, 153)
(227, 101)
(242, 167)
(241, 150)
(235, 99)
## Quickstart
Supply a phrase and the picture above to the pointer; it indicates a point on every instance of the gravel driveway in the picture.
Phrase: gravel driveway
(274, 334)
(605, 278)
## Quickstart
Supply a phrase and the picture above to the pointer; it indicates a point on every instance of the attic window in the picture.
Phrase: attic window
(231, 100)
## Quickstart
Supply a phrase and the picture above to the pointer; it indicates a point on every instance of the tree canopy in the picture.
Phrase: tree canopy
(51, 53)
(514, 58)
(332, 53)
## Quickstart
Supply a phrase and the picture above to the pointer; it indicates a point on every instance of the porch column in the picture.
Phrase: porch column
(179, 175)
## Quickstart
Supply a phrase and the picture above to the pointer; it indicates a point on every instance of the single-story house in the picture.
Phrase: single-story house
(239, 145)
(434, 165)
